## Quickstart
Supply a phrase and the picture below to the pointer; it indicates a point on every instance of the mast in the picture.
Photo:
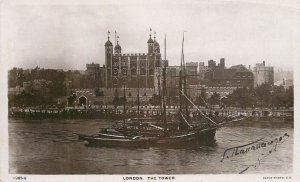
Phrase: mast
(138, 96)
(182, 87)
(124, 111)
(164, 91)
(165, 47)
(115, 37)
(184, 81)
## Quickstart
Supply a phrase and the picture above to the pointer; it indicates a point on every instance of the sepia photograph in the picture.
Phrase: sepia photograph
(149, 90)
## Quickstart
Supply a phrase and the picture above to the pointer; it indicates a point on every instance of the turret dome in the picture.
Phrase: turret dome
(118, 48)
(150, 40)
(108, 43)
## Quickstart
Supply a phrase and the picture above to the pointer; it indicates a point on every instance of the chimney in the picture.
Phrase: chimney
(222, 62)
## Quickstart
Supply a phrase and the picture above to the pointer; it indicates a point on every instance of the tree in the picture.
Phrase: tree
(71, 99)
(289, 97)
(278, 96)
(263, 95)
(155, 100)
(116, 100)
(214, 99)
(242, 97)
(98, 92)
(26, 99)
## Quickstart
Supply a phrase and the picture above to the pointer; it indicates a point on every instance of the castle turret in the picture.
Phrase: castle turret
(156, 45)
(108, 60)
(118, 49)
(150, 44)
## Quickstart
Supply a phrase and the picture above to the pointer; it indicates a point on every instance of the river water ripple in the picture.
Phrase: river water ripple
(52, 147)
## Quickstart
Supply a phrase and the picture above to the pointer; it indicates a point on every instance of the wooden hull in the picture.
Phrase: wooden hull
(192, 139)
(113, 142)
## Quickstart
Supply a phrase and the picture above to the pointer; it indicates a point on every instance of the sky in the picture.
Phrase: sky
(70, 35)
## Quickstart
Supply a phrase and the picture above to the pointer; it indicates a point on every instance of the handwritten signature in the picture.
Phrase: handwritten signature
(255, 146)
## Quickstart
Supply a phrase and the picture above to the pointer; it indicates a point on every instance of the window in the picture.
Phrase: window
(115, 71)
(142, 64)
(116, 63)
(151, 72)
(124, 71)
(143, 71)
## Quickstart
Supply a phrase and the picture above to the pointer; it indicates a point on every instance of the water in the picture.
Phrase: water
(52, 147)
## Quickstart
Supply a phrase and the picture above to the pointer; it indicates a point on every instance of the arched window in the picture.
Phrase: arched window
(124, 71)
(116, 63)
(115, 71)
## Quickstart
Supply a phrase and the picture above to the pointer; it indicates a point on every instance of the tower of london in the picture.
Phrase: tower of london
(131, 70)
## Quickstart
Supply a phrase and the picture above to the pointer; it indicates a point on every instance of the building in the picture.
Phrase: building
(205, 72)
(192, 73)
(172, 77)
(131, 70)
(27, 87)
(39, 84)
(263, 74)
(235, 76)
(94, 75)
(286, 83)
(220, 76)
(202, 70)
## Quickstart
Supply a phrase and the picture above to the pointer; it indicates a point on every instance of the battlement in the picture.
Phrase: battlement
(131, 54)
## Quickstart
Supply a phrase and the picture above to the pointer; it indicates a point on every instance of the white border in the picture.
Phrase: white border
(4, 176)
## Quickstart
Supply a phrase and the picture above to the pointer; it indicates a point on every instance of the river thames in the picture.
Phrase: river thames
(52, 147)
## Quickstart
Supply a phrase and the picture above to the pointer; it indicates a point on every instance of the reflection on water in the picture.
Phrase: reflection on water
(52, 147)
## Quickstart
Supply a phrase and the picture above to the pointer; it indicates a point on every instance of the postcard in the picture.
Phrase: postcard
(152, 91)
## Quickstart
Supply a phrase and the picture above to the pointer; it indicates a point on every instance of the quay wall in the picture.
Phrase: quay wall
(112, 112)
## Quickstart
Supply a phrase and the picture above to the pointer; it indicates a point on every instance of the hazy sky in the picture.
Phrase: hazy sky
(70, 36)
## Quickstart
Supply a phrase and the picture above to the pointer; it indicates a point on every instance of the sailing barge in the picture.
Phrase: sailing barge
(163, 132)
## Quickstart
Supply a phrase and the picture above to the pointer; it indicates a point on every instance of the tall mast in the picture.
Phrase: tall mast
(164, 91)
(182, 86)
(138, 95)
(124, 111)
(180, 79)
(165, 47)
(184, 82)
(115, 37)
